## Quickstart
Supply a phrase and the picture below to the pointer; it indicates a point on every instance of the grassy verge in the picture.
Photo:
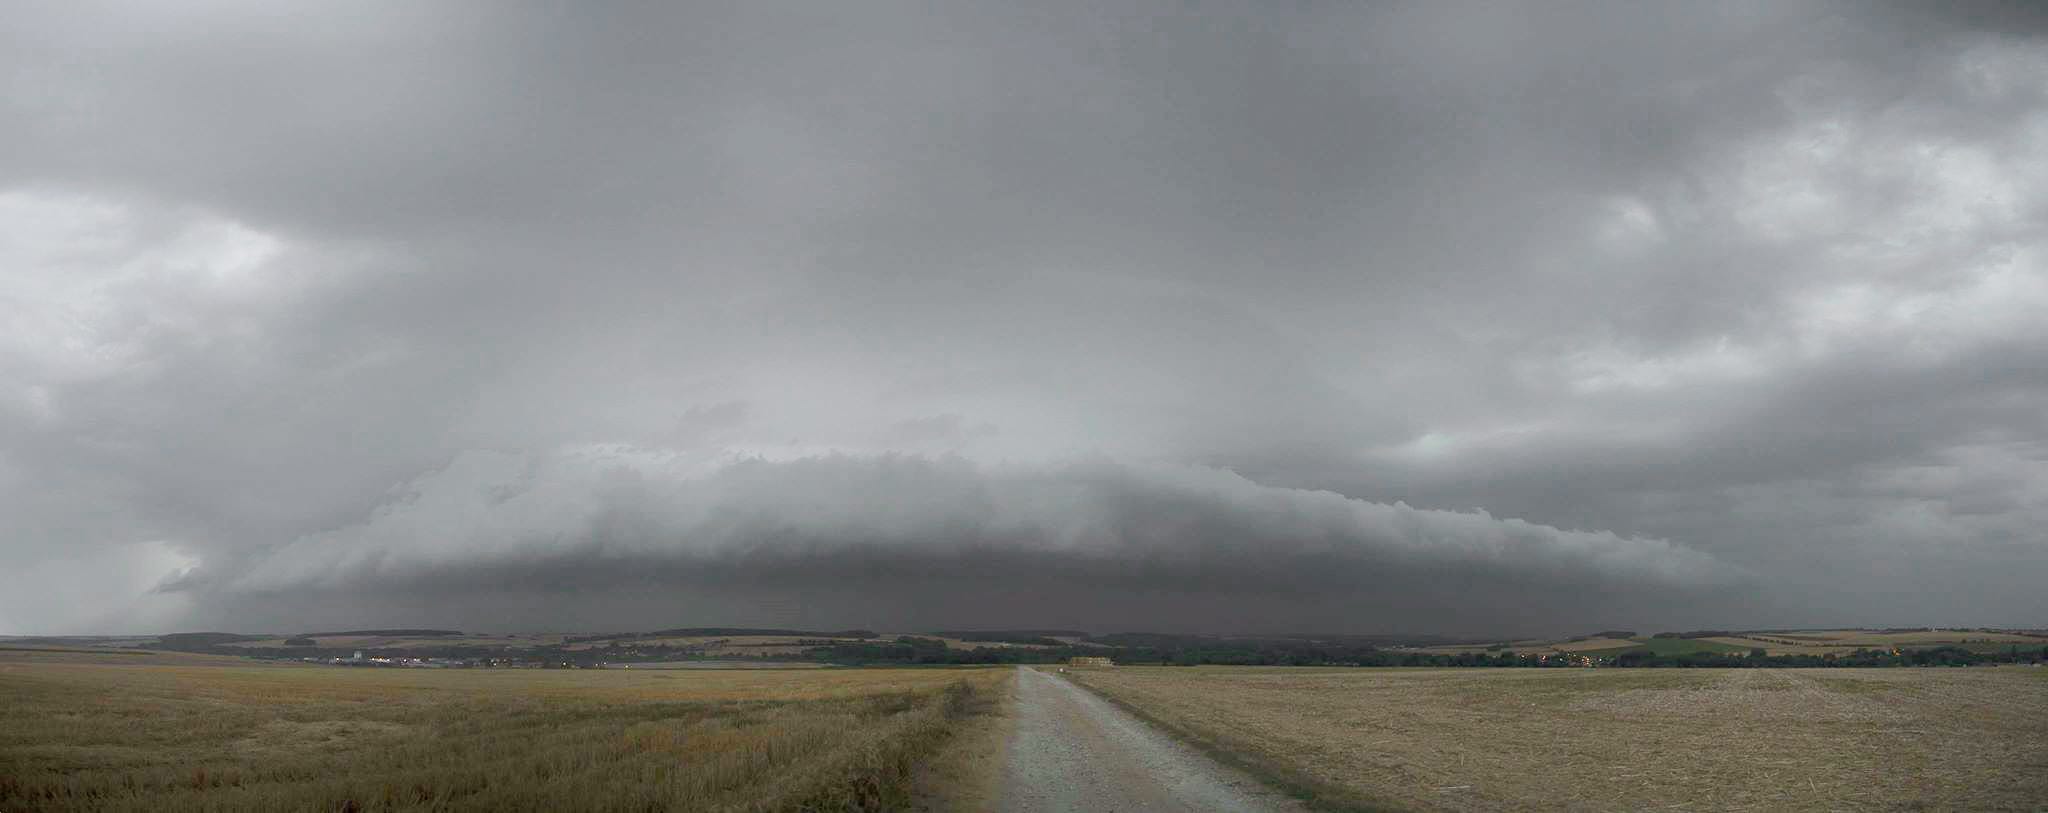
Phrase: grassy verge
(967, 772)
(119, 736)
(878, 777)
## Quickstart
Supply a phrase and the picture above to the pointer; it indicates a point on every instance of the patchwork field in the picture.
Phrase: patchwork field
(1842, 642)
(1592, 645)
(1808, 642)
(186, 732)
(1614, 739)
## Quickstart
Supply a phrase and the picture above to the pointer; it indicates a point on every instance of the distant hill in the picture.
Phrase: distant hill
(399, 633)
(201, 641)
(1034, 637)
(1178, 640)
(692, 632)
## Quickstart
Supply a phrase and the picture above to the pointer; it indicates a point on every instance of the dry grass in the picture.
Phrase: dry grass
(1611, 739)
(108, 732)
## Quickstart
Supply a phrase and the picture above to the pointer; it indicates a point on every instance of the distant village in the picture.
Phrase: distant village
(358, 659)
(538, 658)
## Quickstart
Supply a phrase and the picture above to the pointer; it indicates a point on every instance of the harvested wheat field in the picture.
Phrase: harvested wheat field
(1613, 739)
(118, 732)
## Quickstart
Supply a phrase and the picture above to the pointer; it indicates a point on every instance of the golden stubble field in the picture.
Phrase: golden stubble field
(1617, 739)
(170, 732)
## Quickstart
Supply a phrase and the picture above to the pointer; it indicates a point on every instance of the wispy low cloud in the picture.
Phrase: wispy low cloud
(902, 537)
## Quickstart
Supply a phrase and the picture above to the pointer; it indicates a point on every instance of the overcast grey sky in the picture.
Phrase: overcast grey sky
(1538, 317)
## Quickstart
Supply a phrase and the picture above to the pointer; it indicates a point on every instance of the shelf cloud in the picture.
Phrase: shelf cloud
(886, 530)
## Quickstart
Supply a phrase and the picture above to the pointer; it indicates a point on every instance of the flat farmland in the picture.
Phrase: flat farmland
(180, 732)
(1843, 642)
(1611, 739)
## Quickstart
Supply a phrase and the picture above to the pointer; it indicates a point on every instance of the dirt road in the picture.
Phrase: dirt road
(1072, 750)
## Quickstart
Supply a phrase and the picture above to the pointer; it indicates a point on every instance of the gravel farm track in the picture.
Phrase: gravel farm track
(1072, 750)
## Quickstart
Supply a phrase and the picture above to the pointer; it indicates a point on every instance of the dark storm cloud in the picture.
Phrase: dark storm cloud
(1762, 280)
(892, 537)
